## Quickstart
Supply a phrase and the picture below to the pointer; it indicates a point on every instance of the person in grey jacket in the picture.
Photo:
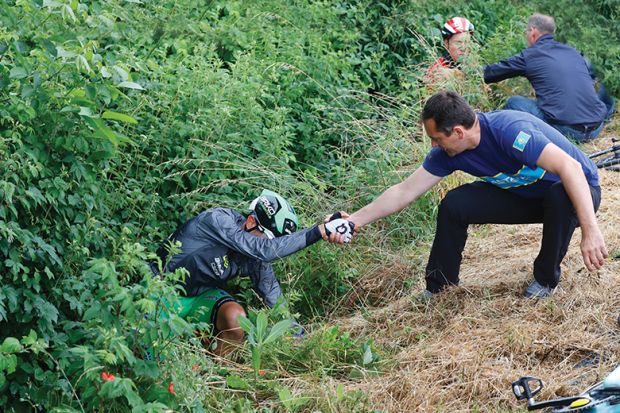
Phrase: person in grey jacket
(220, 244)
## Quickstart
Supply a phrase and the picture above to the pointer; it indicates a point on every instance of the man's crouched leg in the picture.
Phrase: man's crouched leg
(229, 333)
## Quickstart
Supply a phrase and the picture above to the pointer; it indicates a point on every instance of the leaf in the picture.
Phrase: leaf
(277, 331)
(261, 326)
(82, 64)
(284, 394)
(118, 116)
(340, 392)
(102, 130)
(105, 73)
(93, 312)
(256, 358)
(8, 363)
(47, 247)
(11, 345)
(236, 382)
(68, 11)
(121, 387)
(246, 324)
(368, 356)
(30, 339)
(64, 54)
(130, 85)
(51, 3)
(46, 310)
(18, 72)
(84, 111)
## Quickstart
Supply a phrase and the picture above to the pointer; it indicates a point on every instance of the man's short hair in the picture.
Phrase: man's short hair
(448, 109)
(545, 24)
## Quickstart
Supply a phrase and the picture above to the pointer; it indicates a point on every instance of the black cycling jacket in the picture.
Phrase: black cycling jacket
(215, 248)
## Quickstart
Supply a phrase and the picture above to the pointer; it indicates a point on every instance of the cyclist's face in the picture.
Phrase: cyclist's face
(257, 230)
(458, 45)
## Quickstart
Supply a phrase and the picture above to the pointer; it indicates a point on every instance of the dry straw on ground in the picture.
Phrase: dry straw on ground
(461, 352)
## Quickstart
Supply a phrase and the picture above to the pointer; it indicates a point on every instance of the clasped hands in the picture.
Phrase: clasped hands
(338, 229)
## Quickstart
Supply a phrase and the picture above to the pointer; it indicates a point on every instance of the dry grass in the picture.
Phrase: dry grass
(461, 352)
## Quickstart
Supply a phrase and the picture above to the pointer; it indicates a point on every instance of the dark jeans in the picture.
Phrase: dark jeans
(523, 104)
(483, 203)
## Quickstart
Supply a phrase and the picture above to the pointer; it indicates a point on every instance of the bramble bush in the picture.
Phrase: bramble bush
(121, 119)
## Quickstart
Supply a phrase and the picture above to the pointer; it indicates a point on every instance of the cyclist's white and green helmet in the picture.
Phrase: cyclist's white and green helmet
(275, 216)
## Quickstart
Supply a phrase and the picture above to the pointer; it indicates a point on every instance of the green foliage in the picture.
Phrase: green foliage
(260, 335)
(121, 119)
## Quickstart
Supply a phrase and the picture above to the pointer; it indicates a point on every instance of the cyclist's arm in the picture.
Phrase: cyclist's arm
(396, 197)
(222, 227)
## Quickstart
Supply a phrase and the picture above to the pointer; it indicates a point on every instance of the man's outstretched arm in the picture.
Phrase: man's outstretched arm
(511, 67)
(396, 197)
(555, 160)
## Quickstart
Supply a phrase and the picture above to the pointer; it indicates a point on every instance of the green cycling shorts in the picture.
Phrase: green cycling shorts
(201, 308)
(204, 307)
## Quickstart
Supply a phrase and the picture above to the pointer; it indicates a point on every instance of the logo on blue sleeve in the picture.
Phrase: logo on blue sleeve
(521, 140)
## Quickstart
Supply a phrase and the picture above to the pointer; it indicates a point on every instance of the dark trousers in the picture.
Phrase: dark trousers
(483, 203)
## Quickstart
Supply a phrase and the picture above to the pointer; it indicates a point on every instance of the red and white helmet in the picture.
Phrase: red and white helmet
(456, 25)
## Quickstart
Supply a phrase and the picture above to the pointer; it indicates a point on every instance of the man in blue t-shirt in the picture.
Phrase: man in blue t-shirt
(529, 173)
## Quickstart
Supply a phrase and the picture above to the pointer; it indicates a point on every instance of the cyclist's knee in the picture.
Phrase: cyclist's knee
(227, 320)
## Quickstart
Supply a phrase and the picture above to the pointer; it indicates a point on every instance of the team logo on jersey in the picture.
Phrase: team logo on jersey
(219, 265)
(524, 176)
(521, 140)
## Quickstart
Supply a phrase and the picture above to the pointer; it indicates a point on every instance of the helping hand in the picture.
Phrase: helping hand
(336, 215)
(345, 229)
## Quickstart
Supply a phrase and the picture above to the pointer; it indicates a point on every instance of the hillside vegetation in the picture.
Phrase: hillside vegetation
(120, 119)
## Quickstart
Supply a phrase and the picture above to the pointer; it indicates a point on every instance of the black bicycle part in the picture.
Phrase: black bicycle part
(609, 162)
(522, 390)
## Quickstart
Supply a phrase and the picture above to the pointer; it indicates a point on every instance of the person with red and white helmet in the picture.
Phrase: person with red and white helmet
(456, 34)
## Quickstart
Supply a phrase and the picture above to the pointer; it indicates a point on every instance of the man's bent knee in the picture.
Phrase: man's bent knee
(227, 320)
(523, 104)
(454, 204)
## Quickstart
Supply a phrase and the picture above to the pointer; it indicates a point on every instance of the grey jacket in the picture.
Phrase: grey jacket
(215, 249)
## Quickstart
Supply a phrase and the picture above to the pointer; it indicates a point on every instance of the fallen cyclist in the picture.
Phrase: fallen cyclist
(220, 244)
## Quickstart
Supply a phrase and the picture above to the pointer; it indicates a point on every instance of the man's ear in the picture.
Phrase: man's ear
(250, 222)
(446, 43)
(459, 130)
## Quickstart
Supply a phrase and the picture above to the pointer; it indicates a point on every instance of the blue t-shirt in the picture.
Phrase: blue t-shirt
(510, 144)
